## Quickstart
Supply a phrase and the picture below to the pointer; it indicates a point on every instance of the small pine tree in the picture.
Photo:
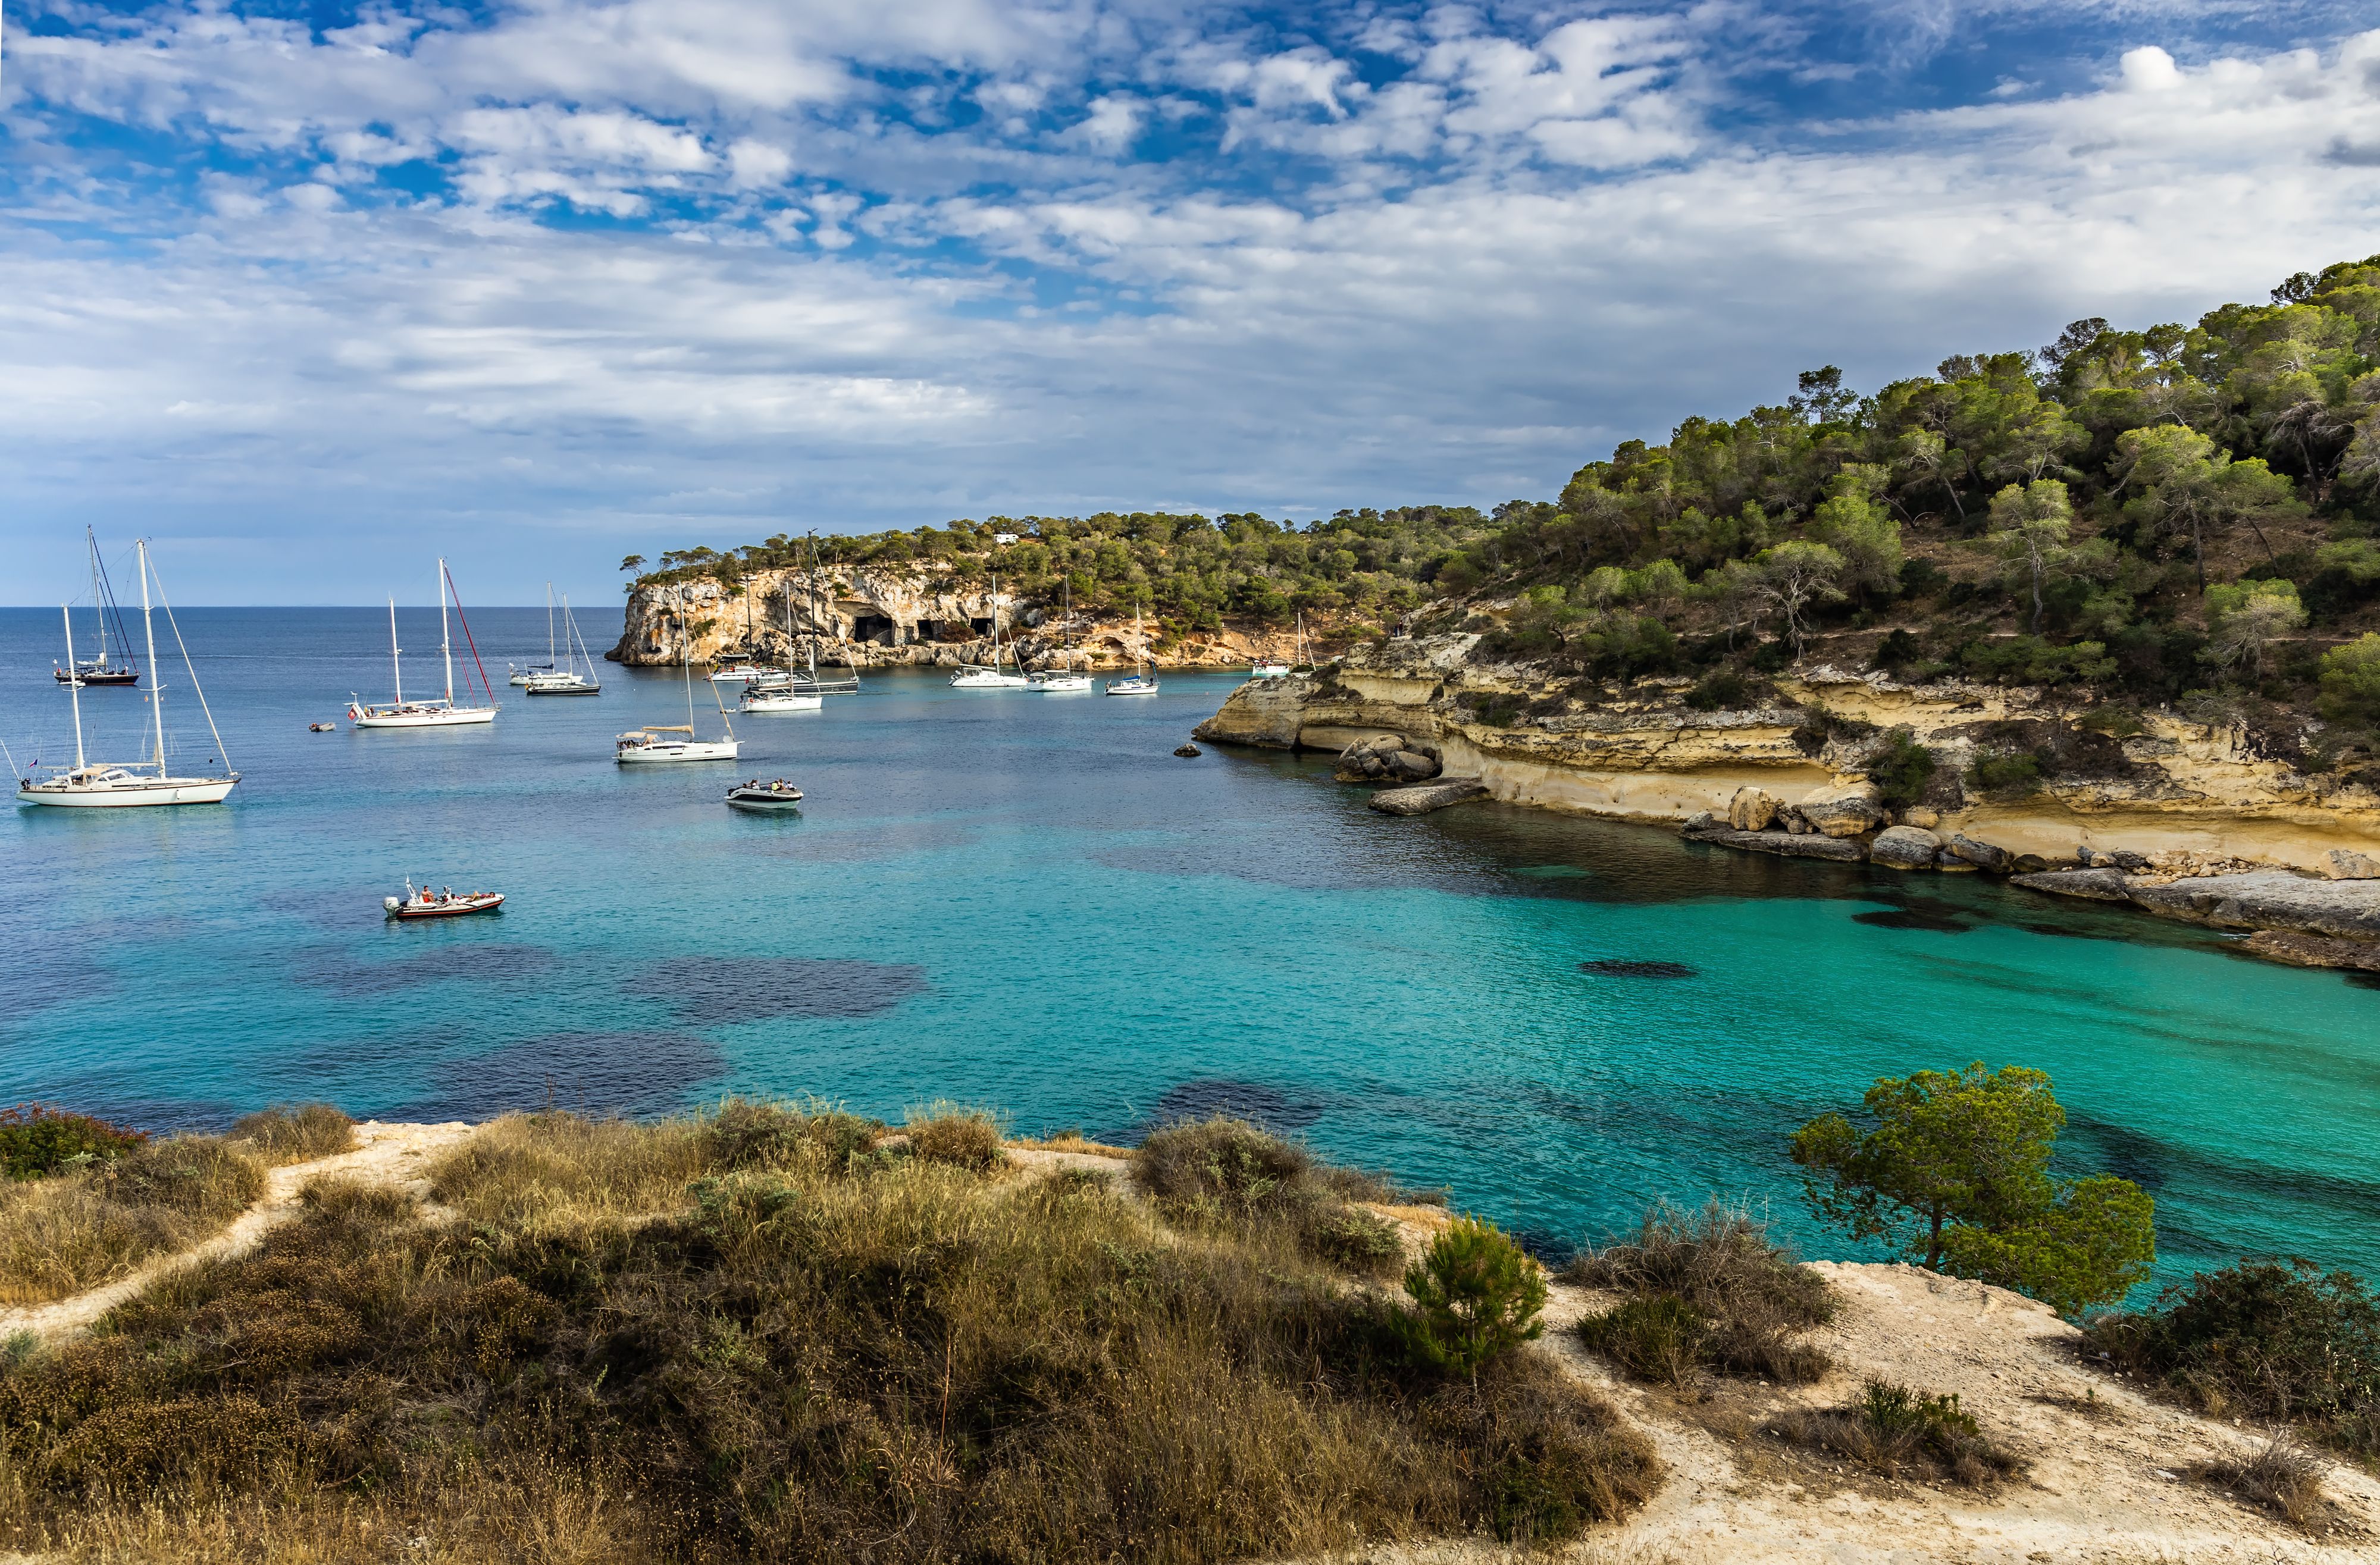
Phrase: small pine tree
(1475, 1294)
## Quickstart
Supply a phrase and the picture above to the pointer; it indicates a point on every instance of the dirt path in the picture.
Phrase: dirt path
(384, 1154)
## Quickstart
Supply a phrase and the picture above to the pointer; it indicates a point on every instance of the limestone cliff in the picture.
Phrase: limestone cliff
(876, 618)
(2190, 797)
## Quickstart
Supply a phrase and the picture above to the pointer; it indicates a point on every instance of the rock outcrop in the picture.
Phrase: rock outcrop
(1905, 847)
(1428, 796)
(1388, 757)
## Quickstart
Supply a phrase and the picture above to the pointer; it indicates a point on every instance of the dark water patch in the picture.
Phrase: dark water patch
(1931, 918)
(335, 968)
(2363, 980)
(584, 1072)
(1615, 967)
(2157, 1162)
(56, 977)
(1206, 1098)
(717, 990)
(1552, 1250)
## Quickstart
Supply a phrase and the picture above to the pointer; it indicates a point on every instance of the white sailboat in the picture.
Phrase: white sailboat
(441, 712)
(526, 673)
(1063, 681)
(651, 744)
(779, 692)
(812, 684)
(101, 786)
(564, 679)
(1139, 684)
(976, 677)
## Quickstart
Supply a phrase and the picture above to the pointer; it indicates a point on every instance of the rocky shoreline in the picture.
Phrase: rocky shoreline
(2177, 819)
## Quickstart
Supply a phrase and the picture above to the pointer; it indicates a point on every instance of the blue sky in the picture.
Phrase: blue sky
(311, 291)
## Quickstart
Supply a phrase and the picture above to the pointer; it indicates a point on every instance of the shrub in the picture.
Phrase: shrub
(1892, 1428)
(2349, 682)
(2005, 777)
(1744, 1297)
(1719, 689)
(966, 1139)
(2270, 1339)
(1654, 1337)
(299, 1133)
(2282, 1477)
(1228, 1172)
(1898, 648)
(1476, 1296)
(1899, 766)
(72, 1230)
(36, 1139)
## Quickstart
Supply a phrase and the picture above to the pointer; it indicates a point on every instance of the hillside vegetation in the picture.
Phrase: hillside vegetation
(2175, 514)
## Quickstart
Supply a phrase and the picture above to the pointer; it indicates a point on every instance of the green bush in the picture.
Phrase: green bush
(966, 1139)
(1653, 1336)
(1899, 766)
(2351, 681)
(36, 1139)
(1721, 689)
(1476, 1296)
(2006, 777)
(1734, 1298)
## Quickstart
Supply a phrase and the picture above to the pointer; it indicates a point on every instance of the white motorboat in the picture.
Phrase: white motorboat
(652, 743)
(777, 794)
(991, 676)
(423, 902)
(1139, 683)
(103, 786)
(1269, 668)
(442, 711)
(564, 679)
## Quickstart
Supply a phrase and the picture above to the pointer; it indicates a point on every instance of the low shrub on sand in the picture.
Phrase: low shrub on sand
(965, 1138)
(2281, 1476)
(742, 1335)
(2266, 1339)
(77, 1230)
(295, 1133)
(1898, 1432)
(37, 1140)
(1230, 1174)
(1709, 1290)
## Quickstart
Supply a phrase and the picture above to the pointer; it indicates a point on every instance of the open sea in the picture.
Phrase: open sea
(1027, 901)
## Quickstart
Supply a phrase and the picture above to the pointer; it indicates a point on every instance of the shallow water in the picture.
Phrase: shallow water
(1025, 901)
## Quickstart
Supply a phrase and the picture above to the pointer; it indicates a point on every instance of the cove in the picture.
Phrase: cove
(1027, 901)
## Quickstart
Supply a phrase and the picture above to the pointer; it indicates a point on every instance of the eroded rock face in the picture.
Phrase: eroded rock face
(1428, 796)
(1751, 809)
(1904, 847)
(2346, 864)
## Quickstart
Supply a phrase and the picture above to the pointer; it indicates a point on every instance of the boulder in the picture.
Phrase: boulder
(1428, 796)
(1925, 818)
(1387, 758)
(1904, 847)
(2346, 864)
(1701, 820)
(2094, 885)
(1810, 844)
(1951, 863)
(1983, 856)
(1406, 766)
(1751, 809)
(1188, 752)
(1844, 809)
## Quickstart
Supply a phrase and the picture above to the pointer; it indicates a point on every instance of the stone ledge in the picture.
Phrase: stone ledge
(1429, 797)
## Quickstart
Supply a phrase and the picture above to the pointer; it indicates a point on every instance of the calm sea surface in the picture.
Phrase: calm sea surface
(1027, 901)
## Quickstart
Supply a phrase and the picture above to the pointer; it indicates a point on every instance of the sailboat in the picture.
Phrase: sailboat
(1063, 681)
(99, 670)
(813, 685)
(99, 785)
(650, 745)
(1271, 667)
(978, 676)
(777, 693)
(441, 712)
(1139, 684)
(525, 673)
(566, 680)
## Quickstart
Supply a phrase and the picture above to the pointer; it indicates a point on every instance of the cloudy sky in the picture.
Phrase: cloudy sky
(310, 291)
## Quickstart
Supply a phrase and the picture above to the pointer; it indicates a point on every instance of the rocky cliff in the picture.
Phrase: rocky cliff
(876, 618)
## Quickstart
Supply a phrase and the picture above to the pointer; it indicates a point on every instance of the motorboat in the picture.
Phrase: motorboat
(103, 669)
(1269, 668)
(1139, 683)
(653, 743)
(99, 785)
(756, 794)
(441, 711)
(759, 698)
(564, 678)
(423, 902)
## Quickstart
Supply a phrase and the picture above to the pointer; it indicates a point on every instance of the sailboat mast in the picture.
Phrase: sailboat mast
(395, 668)
(549, 624)
(685, 661)
(156, 680)
(74, 683)
(98, 603)
(445, 649)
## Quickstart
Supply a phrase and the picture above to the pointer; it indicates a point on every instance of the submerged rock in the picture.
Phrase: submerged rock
(1904, 847)
(1811, 844)
(2314, 951)
(2094, 885)
(1428, 796)
(1614, 967)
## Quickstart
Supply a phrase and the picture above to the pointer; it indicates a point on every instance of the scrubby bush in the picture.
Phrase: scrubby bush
(2005, 776)
(2268, 1338)
(1476, 1296)
(1226, 1171)
(84, 1225)
(966, 1139)
(296, 1133)
(1899, 766)
(1708, 1290)
(37, 1140)
(2351, 681)
(2281, 1476)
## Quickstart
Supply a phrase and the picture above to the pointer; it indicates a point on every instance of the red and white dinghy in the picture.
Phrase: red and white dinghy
(424, 903)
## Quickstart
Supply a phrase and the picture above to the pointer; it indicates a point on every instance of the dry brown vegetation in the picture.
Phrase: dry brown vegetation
(76, 1229)
(1899, 1432)
(763, 1332)
(1706, 1290)
(966, 1139)
(2281, 1476)
(295, 1133)
(1228, 1174)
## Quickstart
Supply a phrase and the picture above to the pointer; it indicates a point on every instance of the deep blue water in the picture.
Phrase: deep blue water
(1027, 901)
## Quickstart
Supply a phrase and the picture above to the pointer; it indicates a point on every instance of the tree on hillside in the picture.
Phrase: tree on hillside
(1954, 1174)
(2184, 484)
(1794, 577)
(2029, 525)
(2244, 618)
(634, 561)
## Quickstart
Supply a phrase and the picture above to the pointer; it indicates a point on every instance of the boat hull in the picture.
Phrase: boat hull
(565, 690)
(1131, 688)
(459, 907)
(774, 701)
(452, 717)
(664, 754)
(990, 682)
(148, 791)
(88, 679)
(1064, 685)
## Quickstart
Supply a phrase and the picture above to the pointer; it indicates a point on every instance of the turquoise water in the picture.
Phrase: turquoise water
(1027, 901)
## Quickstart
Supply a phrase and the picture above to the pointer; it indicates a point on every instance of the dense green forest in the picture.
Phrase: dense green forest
(2182, 513)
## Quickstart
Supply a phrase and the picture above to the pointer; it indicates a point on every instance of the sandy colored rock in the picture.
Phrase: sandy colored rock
(2312, 951)
(1428, 796)
(1904, 847)
(1844, 809)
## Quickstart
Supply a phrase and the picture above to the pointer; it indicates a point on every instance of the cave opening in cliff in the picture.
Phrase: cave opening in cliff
(876, 628)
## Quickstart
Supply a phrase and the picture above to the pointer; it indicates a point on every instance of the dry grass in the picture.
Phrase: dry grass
(74, 1230)
(1708, 1290)
(764, 1334)
(966, 1139)
(1228, 1176)
(295, 1133)
(2282, 1477)
(1901, 1433)
(1069, 1141)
